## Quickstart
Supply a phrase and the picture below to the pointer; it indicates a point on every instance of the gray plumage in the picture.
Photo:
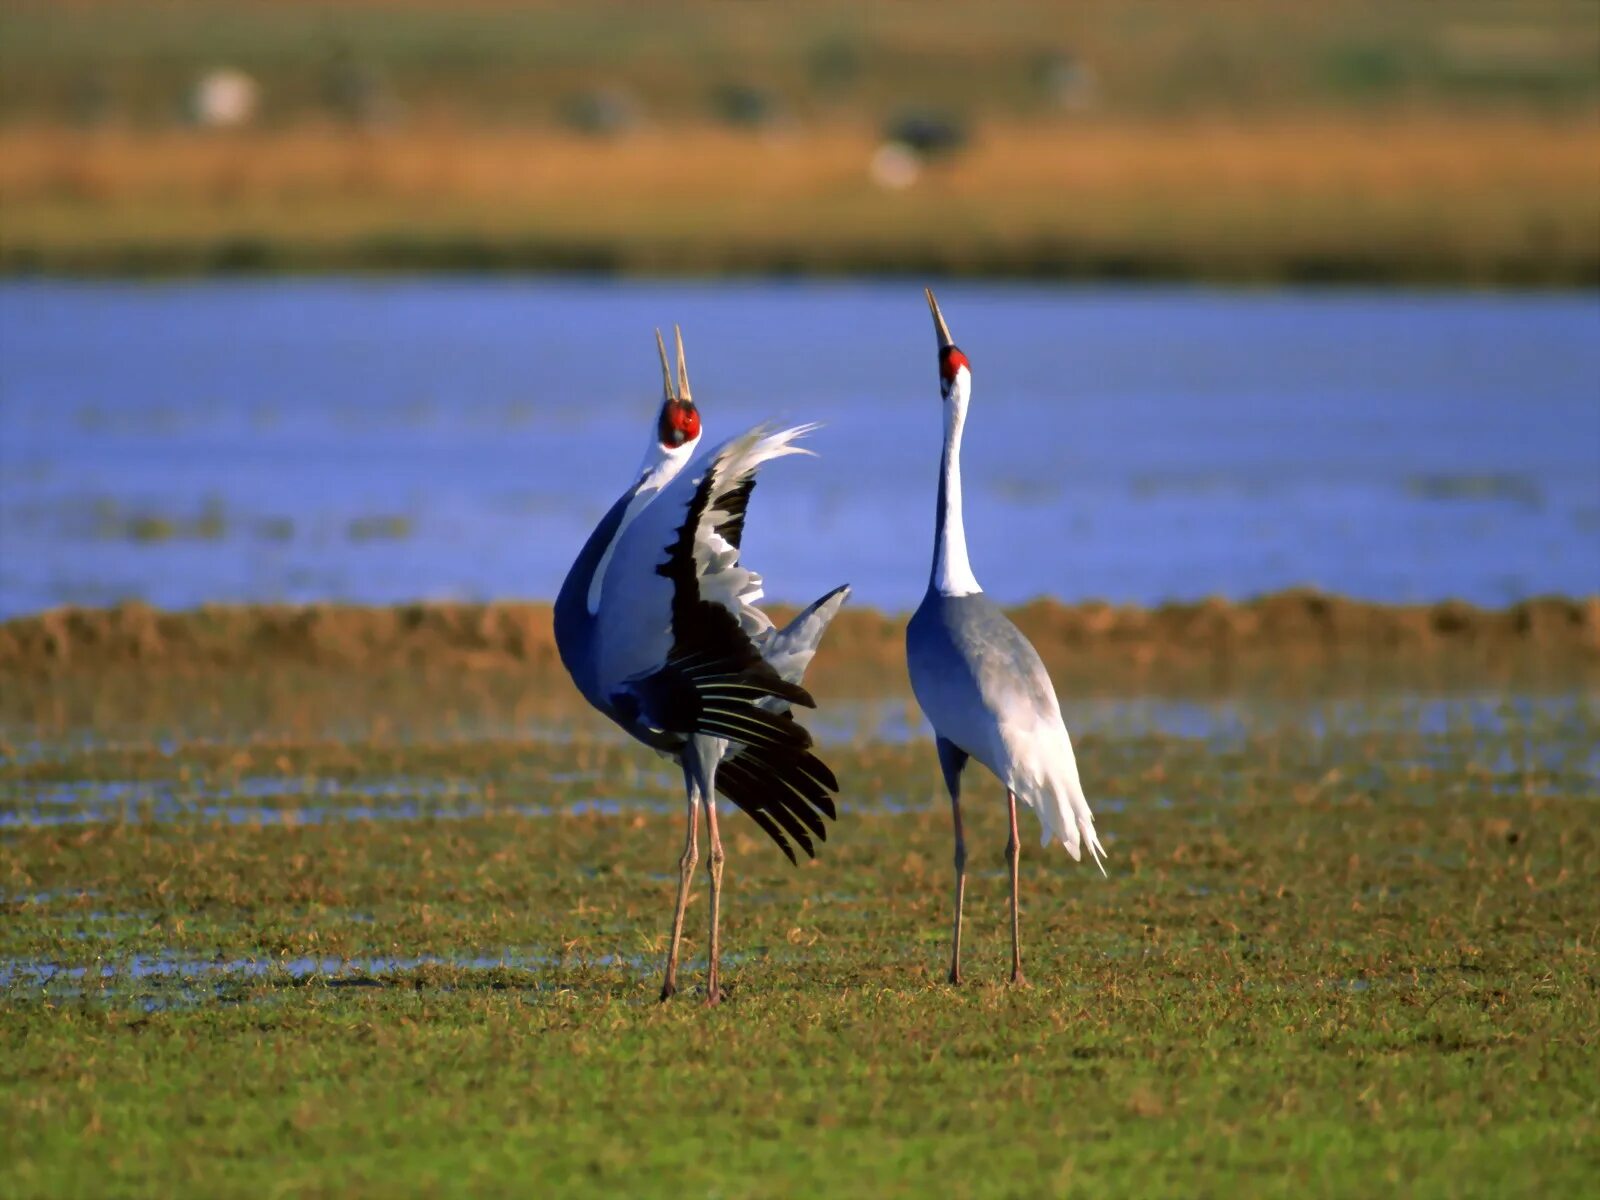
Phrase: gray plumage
(980, 682)
(984, 689)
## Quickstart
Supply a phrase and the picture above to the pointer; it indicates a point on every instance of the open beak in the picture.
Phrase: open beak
(666, 369)
(939, 327)
(683, 370)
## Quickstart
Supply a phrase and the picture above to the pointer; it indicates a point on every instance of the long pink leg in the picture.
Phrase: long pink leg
(686, 865)
(714, 868)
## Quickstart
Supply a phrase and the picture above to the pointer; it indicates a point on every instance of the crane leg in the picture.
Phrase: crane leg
(951, 760)
(1013, 857)
(686, 865)
(700, 769)
(714, 869)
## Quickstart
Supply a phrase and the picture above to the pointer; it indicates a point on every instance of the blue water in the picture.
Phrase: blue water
(389, 440)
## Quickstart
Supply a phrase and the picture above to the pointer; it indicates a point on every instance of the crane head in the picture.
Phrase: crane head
(679, 422)
(951, 360)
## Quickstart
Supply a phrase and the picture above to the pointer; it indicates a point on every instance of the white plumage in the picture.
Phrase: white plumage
(657, 624)
(982, 685)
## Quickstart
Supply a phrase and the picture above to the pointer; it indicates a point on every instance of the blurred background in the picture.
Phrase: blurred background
(1419, 140)
(354, 300)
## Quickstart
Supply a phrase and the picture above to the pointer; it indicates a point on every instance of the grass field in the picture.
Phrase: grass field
(1348, 140)
(512, 61)
(314, 931)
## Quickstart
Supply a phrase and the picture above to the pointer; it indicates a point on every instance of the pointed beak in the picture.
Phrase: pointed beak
(666, 369)
(683, 369)
(939, 327)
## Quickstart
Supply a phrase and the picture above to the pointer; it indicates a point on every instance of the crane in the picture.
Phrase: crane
(980, 682)
(657, 624)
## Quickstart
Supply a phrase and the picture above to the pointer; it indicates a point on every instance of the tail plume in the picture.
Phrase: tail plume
(1072, 821)
(1048, 783)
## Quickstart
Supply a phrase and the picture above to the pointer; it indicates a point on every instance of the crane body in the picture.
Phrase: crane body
(657, 624)
(981, 683)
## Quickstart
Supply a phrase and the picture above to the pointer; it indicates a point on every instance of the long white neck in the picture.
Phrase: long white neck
(660, 467)
(952, 572)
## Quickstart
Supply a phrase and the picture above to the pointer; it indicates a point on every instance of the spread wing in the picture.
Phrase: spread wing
(678, 630)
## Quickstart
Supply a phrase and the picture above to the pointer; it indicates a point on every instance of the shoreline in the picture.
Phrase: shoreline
(1291, 632)
(1049, 261)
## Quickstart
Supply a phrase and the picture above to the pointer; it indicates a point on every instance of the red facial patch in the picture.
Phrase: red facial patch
(679, 423)
(951, 360)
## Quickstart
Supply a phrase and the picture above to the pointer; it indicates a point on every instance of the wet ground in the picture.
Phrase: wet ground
(275, 928)
(247, 777)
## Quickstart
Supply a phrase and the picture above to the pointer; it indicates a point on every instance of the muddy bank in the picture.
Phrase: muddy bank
(1285, 632)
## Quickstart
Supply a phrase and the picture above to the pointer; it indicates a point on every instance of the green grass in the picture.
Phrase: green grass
(1341, 962)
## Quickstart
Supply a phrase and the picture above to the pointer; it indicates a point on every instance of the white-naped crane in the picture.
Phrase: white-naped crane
(980, 682)
(658, 626)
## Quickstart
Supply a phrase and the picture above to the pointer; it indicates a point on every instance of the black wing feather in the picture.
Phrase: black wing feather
(734, 502)
(740, 785)
(714, 675)
(712, 684)
(794, 791)
(751, 792)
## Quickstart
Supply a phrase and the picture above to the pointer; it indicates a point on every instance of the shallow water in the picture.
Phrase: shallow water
(1519, 743)
(160, 981)
(1460, 780)
(379, 441)
(139, 966)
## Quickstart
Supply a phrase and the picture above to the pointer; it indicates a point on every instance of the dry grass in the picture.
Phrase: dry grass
(1416, 198)
(1293, 636)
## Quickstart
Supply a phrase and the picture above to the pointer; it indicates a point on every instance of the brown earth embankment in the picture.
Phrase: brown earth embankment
(1288, 632)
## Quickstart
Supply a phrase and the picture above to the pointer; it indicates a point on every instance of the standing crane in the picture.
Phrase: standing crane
(980, 682)
(657, 624)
